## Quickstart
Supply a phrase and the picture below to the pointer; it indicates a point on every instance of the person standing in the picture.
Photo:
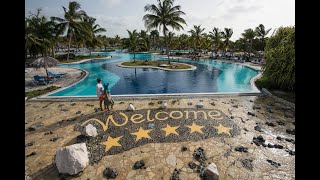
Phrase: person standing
(100, 92)
(107, 98)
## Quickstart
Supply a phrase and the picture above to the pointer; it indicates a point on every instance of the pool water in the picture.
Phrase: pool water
(209, 76)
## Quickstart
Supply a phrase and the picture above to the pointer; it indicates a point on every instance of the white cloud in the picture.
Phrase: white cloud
(117, 25)
(118, 15)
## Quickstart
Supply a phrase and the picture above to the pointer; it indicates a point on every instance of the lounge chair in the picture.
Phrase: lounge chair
(41, 80)
(56, 76)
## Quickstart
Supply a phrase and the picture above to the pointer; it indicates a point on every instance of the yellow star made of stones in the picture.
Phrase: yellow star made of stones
(142, 134)
(195, 128)
(170, 130)
(222, 129)
(111, 142)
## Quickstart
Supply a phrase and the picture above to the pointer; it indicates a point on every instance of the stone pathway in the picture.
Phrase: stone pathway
(272, 158)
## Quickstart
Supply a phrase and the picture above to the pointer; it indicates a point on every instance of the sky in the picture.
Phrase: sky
(116, 16)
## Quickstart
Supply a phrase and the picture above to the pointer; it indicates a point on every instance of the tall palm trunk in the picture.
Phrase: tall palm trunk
(166, 42)
(69, 47)
(134, 56)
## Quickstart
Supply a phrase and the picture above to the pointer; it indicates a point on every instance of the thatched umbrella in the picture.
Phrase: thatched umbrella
(45, 62)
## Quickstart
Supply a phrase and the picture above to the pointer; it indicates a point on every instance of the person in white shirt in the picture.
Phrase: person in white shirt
(100, 92)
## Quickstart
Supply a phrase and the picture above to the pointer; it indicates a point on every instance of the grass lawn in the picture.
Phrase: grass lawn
(79, 58)
(156, 64)
(36, 93)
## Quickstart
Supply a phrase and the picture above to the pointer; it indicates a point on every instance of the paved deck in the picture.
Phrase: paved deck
(162, 152)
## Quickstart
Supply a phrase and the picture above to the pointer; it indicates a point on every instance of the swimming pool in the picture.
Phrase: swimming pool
(209, 77)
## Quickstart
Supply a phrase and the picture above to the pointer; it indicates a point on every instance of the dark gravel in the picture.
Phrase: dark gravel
(247, 163)
(258, 128)
(49, 132)
(36, 126)
(199, 155)
(31, 154)
(175, 175)
(184, 148)
(279, 138)
(275, 164)
(110, 173)
(29, 144)
(259, 141)
(192, 165)
(270, 124)
(241, 149)
(291, 131)
(290, 140)
(54, 139)
(281, 123)
(139, 165)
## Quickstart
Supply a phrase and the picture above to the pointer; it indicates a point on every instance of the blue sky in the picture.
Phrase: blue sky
(118, 15)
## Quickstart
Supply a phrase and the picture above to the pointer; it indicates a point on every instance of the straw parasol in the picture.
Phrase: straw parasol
(45, 62)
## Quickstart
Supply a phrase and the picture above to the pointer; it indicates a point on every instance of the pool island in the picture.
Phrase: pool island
(173, 66)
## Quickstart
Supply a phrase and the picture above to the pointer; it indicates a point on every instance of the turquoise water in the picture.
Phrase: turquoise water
(210, 76)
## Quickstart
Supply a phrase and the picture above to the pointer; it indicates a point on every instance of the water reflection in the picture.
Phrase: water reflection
(210, 76)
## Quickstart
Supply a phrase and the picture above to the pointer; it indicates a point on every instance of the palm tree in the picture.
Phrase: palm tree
(164, 15)
(261, 32)
(117, 40)
(93, 29)
(226, 35)
(183, 41)
(205, 42)
(105, 42)
(154, 35)
(145, 40)
(72, 22)
(40, 35)
(249, 35)
(133, 43)
(30, 38)
(216, 37)
(196, 33)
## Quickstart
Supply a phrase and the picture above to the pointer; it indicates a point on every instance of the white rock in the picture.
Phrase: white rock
(211, 172)
(90, 131)
(164, 104)
(25, 98)
(131, 107)
(72, 159)
(171, 160)
(200, 105)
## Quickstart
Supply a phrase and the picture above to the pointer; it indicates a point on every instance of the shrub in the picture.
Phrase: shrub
(280, 58)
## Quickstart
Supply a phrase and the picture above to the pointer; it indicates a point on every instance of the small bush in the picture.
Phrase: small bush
(36, 93)
(264, 82)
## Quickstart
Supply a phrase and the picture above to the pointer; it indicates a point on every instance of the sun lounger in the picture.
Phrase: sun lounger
(41, 80)
(56, 76)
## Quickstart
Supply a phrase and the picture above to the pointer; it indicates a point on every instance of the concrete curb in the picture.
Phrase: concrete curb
(145, 96)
